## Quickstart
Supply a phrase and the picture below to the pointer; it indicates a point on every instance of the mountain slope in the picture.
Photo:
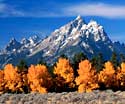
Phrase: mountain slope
(76, 36)
(16, 51)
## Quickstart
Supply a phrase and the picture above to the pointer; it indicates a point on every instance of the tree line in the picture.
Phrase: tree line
(81, 74)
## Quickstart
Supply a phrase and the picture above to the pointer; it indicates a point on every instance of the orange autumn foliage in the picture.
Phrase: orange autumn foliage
(87, 79)
(123, 67)
(121, 76)
(1, 81)
(107, 75)
(12, 79)
(39, 78)
(63, 69)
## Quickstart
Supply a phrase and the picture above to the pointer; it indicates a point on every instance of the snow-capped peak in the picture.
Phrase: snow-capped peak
(13, 41)
(71, 27)
(78, 20)
(12, 45)
(76, 36)
(34, 39)
(78, 17)
(93, 23)
(78, 28)
(25, 41)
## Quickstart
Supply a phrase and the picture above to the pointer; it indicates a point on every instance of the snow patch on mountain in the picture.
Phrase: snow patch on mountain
(76, 36)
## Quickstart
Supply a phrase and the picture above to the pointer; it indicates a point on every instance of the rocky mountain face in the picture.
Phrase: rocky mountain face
(16, 51)
(76, 36)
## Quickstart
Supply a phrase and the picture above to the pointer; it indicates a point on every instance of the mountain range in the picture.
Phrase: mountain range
(74, 37)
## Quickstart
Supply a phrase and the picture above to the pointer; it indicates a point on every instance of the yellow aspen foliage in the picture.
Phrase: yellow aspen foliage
(1, 81)
(121, 76)
(12, 79)
(87, 79)
(107, 75)
(39, 78)
(63, 69)
(123, 67)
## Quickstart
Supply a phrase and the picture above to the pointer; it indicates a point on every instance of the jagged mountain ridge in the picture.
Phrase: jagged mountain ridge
(76, 36)
(14, 51)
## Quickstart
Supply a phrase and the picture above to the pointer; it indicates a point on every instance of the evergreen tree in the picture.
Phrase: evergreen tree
(76, 60)
(114, 60)
(42, 62)
(98, 62)
(22, 66)
(122, 58)
(63, 56)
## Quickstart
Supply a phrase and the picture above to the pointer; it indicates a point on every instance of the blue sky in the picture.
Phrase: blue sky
(24, 18)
